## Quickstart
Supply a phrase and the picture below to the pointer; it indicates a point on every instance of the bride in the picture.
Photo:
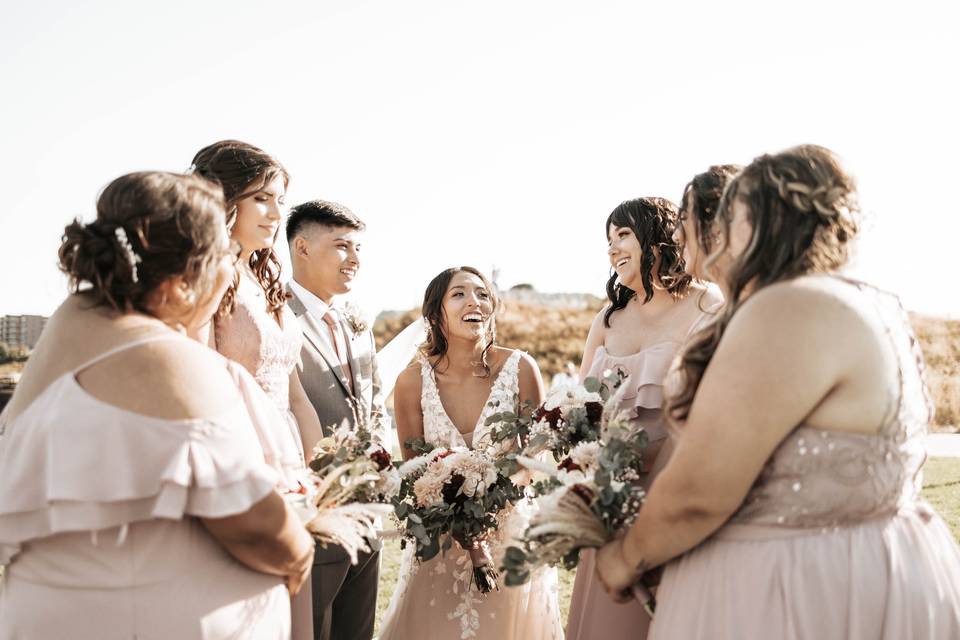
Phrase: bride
(445, 399)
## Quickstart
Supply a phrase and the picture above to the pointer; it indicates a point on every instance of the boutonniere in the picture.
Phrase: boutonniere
(355, 318)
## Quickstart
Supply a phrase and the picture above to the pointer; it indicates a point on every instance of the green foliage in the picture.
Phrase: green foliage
(10, 354)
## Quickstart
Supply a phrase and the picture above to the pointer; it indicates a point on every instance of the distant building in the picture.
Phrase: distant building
(525, 293)
(21, 331)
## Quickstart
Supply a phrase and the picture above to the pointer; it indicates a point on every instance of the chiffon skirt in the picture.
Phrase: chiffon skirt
(892, 578)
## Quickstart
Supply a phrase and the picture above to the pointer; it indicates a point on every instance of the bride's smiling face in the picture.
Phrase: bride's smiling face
(467, 307)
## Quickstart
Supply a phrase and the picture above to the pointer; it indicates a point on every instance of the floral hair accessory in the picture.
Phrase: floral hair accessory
(128, 251)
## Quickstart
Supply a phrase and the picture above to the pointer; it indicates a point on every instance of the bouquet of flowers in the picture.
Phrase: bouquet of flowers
(588, 497)
(456, 495)
(350, 482)
(363, 455)
(569, 415)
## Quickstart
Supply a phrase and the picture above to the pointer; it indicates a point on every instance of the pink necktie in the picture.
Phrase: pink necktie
(339, 344)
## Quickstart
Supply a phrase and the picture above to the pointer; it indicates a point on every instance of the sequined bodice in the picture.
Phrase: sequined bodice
(440, 431)
(822, 478)
(252, 337)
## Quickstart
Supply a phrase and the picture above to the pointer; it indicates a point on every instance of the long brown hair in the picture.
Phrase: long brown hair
(242, 169)
(803, 214)
(701, 199)
(436, 345)
(653, 221)
(151, 226)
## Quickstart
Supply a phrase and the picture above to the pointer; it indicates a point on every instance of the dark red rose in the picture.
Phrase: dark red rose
(553, 416)
(451, 490)
(381, 458)
(569, 465)
(594, 412)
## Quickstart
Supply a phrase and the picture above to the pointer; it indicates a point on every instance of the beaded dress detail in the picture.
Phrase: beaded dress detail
(834, 539)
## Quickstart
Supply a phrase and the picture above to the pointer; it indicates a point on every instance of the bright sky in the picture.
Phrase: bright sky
(484, 133)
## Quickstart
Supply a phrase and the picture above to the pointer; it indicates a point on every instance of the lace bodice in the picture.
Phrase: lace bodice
(821, 478)
(252, 337)
(440, 431)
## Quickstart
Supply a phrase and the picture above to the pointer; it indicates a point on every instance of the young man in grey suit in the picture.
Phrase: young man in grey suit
(339, 374)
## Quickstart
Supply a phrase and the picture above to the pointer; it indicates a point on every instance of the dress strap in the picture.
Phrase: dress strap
(157, 337)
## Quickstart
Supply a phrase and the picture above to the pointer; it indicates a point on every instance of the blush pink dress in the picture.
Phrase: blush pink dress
(593, 614)
(270, 352)
(833, 540)
(99, 530)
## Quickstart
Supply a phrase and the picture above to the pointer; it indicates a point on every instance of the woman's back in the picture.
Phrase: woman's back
(823, 477)
(107, 469)
(833, 539)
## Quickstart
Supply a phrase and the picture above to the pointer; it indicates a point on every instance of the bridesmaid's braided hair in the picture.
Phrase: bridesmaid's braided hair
(803, 213)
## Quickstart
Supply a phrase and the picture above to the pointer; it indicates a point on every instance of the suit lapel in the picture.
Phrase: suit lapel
(311, 331)
(354, 363)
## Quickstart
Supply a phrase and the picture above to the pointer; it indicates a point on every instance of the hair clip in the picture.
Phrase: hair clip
(131, 255)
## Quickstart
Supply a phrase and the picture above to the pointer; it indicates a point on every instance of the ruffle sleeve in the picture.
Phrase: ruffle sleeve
(73, 463)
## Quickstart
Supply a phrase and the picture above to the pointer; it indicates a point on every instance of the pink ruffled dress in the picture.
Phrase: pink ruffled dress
(593, 614)
(99, 530)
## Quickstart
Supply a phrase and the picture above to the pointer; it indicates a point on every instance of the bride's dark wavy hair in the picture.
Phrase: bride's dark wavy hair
(242, 169)
(803, 213)
(436, 345)
(653, 221)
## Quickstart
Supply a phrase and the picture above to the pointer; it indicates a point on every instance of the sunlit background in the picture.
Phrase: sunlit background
(485, 133)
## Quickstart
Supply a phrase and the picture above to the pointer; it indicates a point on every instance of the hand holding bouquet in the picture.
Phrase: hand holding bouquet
(344, 493)
(590, 496)
(454, 495)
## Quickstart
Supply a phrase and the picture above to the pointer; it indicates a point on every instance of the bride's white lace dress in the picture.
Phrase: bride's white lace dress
(436, 600)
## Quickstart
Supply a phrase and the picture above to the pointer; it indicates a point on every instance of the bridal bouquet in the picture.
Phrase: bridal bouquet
(350, 482)
(454, 495)
(592, 494)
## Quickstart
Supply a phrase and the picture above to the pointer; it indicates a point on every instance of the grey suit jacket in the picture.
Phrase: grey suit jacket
(325, 382)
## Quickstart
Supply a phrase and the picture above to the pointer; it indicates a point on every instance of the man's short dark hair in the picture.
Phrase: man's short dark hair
(321, 212)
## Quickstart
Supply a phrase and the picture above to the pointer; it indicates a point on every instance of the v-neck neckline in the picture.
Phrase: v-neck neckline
(483, 410)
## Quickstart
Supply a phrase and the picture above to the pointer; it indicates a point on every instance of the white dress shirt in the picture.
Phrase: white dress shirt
(317, 308)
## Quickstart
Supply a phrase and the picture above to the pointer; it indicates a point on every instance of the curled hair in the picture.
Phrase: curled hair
(243, 169)
(803, 213)
(171, 226)
(436, 345)
(701, 199)
(653, 221)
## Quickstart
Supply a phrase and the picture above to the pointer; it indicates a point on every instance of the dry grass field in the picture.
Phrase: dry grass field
(554, 336)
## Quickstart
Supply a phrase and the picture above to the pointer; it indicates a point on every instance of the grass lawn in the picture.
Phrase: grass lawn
(941, 483)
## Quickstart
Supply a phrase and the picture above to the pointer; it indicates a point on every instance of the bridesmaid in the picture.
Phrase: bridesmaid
(698, 211)
(791, 506)
(253, 325)
(134, 498)
(654, 304)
